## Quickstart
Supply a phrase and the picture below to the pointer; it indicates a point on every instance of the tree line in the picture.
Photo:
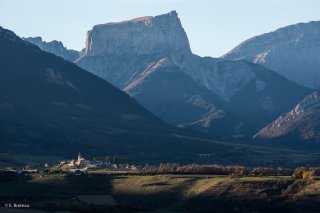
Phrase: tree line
(173, 168)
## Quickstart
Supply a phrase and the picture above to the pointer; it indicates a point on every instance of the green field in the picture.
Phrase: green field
(154, 193)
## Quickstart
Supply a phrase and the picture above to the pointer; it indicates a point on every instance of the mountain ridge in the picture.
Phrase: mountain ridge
(291, 51)
(54, 47)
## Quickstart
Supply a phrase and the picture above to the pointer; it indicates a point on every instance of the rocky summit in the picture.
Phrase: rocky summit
(142, 36)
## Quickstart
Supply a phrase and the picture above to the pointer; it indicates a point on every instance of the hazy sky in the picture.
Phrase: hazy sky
(213, 26)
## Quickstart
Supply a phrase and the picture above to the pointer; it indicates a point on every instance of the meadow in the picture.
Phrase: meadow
(124, 192)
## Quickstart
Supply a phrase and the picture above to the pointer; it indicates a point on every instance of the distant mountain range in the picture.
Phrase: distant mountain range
(50, 107)
(233, 96)
(292, 51)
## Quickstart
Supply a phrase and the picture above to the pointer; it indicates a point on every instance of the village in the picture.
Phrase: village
(77, 166)
(81, 165)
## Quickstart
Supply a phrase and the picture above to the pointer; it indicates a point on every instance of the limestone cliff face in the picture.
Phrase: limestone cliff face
(54, 47)
(147, 35)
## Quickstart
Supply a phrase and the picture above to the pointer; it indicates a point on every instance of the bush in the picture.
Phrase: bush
(306, 174)
(298, 173)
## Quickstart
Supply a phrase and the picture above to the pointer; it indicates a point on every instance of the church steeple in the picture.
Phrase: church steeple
(79, 156)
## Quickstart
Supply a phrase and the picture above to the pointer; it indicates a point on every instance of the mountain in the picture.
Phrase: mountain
(241, 91)
(119, 52)
(51, 107)
(54, 47)
(300, 124)
(150, 58)
(139, 56)
(292, 51)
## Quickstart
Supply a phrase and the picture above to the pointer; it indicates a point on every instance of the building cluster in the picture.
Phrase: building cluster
(75, 166)
(81, 165)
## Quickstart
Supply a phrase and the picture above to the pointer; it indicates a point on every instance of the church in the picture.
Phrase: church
(81, 162)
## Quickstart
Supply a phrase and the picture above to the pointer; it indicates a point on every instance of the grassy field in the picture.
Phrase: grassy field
(149, 193)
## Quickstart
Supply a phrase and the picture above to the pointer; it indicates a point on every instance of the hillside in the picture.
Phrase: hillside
(296, 127)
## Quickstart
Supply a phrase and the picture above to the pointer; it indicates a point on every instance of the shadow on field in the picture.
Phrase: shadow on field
(149, 193)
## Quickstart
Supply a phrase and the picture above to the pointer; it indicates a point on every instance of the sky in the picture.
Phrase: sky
(213, 26)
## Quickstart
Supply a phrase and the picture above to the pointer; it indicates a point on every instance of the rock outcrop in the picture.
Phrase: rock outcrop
(142, 36)
(292, 51)
(54, 47)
